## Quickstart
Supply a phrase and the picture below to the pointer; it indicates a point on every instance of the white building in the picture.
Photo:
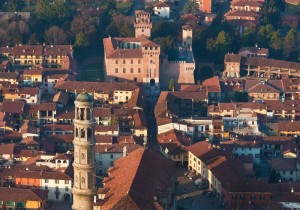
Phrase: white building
(162, 9)
(59, 185)
(30, 95)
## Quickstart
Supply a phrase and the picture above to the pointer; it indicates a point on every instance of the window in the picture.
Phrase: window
(116, 62)
(46, 180)
(253, 196)
(124, 61)
(67, 189)
(242, 196)
(124, 70)
(131, 61)
(283, 172)
(116, 70)
(139, 61)
(46, 187)
(139, 70)
(56, 181)
(131, 70)
(111, 163)
(233, 196)
(100, 163)
(46, 84)
(67, 181)
(262, 197)
(111, 156)
(291, 172)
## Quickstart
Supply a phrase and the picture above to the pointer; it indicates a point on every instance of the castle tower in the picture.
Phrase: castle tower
(142, 24)
(84, 165)
(187, 36)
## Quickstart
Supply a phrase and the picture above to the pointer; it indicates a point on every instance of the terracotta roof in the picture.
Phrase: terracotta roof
(284, 164)
(177, 137)
(239, 13)
(29, 91)
(8, 75)
(64, 156)
(264, 87)
(113, 50)
(61, 97)
(243, 3)
(66, 114)
(142, 168)
(141, 12)
(14, 107)
(189, 17)
(47, 107)
(7, 149)
(95, 86)
(232, 58)
(9, 194)
(105, 128)
(28, 50)
(59, 138)
(102, 112)
(42, 175)
(260, 51)
(288, 126)
(57, 50)
(271, 63)
(103, 139)
(161, 4)
(204, 151)
(139, 120)
(25, 153)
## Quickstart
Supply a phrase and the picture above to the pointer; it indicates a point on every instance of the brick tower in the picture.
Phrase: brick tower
(142, 24)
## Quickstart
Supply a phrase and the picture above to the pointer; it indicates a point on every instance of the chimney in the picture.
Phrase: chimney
(124, 151)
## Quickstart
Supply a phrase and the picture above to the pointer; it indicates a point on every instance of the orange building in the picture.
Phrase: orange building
(27, 179)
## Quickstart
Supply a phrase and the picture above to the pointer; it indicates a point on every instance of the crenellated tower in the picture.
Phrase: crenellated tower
(142, 24)
(84, 165)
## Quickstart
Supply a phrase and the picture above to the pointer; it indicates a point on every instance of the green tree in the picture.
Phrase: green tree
(274, 177)
(191, 7)
(13, 5)
(264, 35)
(40, 8)
(168, 45)
(276, 44)
(249, 37)
(240, 96)
(222, 46)
(171, 86)
(81, 40)
(290, 43)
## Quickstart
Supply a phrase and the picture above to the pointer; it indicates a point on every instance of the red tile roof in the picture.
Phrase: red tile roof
(14, 107)
(7, 149)
(142, 168)
(9, 194)
(95, 86)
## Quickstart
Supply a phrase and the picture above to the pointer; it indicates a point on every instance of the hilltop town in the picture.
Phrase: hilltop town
(150, 104)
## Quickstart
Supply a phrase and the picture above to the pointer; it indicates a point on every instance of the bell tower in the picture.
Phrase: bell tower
(142, 24)
(84, 165)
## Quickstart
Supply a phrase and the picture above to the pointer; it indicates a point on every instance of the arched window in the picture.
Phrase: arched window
(82, 180)
(81, 113)
(82, 133)
(59, 161)
(134, 45)
(82, 156)
(76, 134)
(64, 161)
